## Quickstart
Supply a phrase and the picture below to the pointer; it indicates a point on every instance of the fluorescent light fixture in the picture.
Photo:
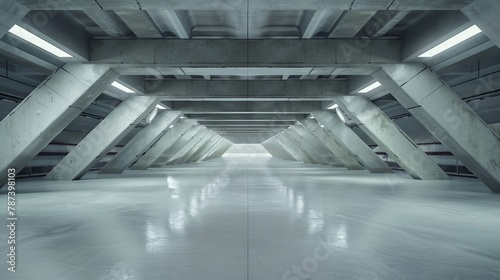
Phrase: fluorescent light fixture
(182, 117)
(455, 40)
(370, 87)
(152, 115)
(334, 106)
(322, 126)
(161, 107)
(122, 87)
(171, 126)
(37, 41)
(340, 115)
(311, 117)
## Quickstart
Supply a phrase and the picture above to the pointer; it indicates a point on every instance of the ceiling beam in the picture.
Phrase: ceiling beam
(246, 117)
(245, 90)
(252, 4)
(253, 53)
(246, 107)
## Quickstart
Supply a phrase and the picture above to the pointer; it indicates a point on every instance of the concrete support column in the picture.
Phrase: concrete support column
(221, 150)
(48, 110)
(224, 149)
(176, 146)
(484, 13)
(306, 147)
(213, 149)
(205, 149)
(167, 140)
(447, 117)
(282, 150)
(271, 150)
(276, 150)
(11, 13)
(290, 145)
(317, 145)
(351, 142)
(343, 156)
(195, 142)
(390, 138)
(103, 138)
(196, 148)
(141, 142)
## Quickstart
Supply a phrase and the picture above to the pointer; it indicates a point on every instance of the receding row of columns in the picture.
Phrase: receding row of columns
(49, 109)
(428, 99)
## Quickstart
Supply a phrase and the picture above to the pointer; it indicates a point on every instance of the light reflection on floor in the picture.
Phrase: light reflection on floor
(269, 218)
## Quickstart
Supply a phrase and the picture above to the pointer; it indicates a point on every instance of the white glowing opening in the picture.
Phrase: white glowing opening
(37, 41)
(122, 87)
(453, 41)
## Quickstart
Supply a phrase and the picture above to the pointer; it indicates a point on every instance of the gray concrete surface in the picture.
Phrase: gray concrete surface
(253, 217)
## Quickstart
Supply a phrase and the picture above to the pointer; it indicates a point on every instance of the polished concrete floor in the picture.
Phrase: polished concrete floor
(255, 217)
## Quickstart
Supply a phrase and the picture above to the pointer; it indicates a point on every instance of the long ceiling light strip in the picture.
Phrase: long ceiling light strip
(37, 41)
(453, 41)
(370, 87)
(122, 87)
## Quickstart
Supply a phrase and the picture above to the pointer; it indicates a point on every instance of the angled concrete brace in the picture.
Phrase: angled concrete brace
(275, 140)
(390, 138)
(306, 147)
(12, 12)
(48, 110)
(103, 138)
(216, 148)
(195, 148)
(167, 140)
(276, 150)
(221, 149)
(181, 141)
(203, 150)
(283, 150)
(212, 149)
(484, 13)
(271, 150)
(351, 142)
(342, 155)
(317, 145)
(194, 143)
(291, 147)
(206, 149)
(141, 142)
(447, 117)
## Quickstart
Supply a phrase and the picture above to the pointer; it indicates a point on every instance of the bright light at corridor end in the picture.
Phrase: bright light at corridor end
(370, 87)
(37, 41)
(122, 87)
(455, 40)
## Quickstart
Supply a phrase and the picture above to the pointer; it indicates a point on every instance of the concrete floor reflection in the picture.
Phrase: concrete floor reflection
(248, 217)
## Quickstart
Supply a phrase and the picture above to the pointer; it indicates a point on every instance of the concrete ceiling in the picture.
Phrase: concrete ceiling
(248, 69)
